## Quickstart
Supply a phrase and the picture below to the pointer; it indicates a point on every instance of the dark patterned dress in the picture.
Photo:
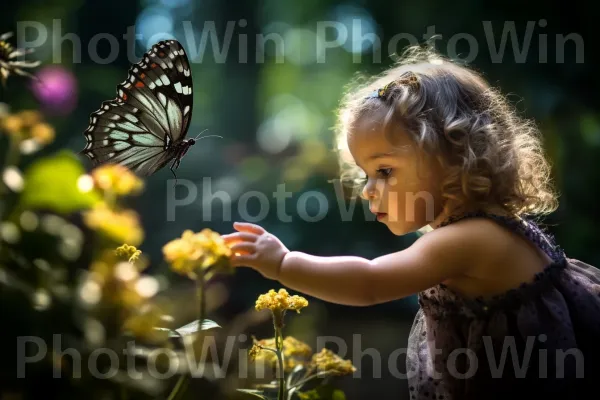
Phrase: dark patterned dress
(538, 341)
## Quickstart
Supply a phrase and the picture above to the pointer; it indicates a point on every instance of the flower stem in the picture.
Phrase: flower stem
(182, 379)
(279, 346)
(177, 387)
(201, 300)
(200, 293)
(11, 159)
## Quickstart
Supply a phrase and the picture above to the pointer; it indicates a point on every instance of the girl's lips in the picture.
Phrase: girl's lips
(381, 215)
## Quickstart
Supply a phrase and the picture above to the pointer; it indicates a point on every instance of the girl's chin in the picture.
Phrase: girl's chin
(397, 229)
(404, 229)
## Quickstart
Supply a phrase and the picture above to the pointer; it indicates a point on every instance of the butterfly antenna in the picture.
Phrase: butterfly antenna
(196, 138)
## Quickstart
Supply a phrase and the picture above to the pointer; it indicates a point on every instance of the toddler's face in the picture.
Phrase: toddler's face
(402, 187)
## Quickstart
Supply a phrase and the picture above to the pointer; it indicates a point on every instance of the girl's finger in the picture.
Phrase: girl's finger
(243, 248)
(238, 253)
(248, 227)
(243, 260)
(239, 237)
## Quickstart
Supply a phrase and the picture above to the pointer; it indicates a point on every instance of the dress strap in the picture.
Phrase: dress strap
(526, 227)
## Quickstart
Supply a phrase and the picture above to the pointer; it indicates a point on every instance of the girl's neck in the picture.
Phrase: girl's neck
(446, 213)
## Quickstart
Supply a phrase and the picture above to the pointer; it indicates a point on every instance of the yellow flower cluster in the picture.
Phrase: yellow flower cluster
(27, 125)
(195, 250)
(254, 351)
(280, 301)
(327, 361)
(129, 253)
(141, 325)
(119, 226)
(119, 290)
(117, 282)
(116, 179)
(295, 347)
(295, 352)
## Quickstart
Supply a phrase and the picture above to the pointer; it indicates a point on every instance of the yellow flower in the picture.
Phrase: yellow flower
(195, 250)
(280, 301)
(28, 125)
(267, 357)
(129, 253)
(42, 133)
(180, 253)
(254, 351)
(327, 361)
(30, 117)
(293, 347)
(214, 246)
(117, 178)
(12, 125)
(295, 352)
(122, 293)
(141, 325)
(119, 226)
(116, 282)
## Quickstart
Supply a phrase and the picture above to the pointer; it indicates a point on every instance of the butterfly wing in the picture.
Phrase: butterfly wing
(143, 127)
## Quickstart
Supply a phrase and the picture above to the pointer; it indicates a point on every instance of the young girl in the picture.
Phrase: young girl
(502, 311)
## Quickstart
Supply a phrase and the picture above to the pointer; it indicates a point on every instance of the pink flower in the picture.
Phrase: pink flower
(56, 89)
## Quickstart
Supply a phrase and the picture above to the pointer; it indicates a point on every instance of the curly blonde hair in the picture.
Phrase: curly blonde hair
(489, 156)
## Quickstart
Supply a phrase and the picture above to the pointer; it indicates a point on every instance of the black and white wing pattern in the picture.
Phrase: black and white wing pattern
(144, 127)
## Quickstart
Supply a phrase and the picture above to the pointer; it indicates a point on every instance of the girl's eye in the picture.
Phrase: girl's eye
(384, 172)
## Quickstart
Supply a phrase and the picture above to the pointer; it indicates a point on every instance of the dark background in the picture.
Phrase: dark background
(276, 118)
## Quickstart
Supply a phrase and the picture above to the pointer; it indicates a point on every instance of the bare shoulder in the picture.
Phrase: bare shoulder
(469, 242)
(468, 256)
(493, 257)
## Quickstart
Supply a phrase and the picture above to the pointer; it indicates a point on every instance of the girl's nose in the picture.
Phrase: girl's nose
(369, 190)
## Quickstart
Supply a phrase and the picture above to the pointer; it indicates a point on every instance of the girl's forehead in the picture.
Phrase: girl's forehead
(367, 146)
(371, 134)
(367, 136)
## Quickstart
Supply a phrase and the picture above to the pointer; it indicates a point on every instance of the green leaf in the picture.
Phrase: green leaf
(51, 183)
(338, 395)
(191, 328)
(254, 393)
(590, 129)
(322, 392)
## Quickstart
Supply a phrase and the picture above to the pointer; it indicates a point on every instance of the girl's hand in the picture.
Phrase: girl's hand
(254, 247)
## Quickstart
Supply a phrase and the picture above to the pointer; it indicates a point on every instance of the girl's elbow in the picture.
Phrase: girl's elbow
(378, 291)
(365, 300)
(374, 297)
(370, 293)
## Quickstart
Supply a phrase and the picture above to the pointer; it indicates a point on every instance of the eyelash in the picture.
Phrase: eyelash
(384, 172)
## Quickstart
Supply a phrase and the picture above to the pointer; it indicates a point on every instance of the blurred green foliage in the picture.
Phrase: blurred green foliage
(52, 184)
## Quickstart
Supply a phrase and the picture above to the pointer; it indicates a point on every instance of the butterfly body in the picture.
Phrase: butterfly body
(144, 127)
(180, 151)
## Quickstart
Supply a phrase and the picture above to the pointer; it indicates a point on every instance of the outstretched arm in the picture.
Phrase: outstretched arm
(432, 259)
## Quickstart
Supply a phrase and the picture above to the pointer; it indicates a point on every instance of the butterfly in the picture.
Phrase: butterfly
(144, 127)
